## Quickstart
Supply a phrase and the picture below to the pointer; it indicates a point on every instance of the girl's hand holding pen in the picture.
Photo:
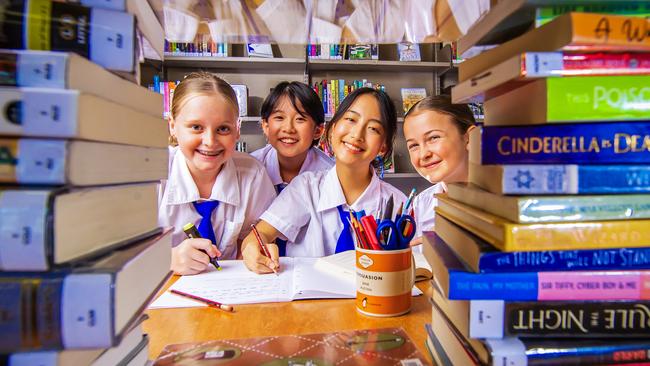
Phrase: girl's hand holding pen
(255, 257)
(189, 257)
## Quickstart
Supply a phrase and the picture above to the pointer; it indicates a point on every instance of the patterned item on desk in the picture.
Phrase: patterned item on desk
(205, 228)
(282, 244)
(345, 241)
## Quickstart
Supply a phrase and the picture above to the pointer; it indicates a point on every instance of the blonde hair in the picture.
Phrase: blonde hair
(200, 83)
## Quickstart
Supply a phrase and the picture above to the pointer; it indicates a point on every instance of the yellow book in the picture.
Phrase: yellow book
(510, 237)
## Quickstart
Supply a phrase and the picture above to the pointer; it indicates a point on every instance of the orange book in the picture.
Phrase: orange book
(572, 31)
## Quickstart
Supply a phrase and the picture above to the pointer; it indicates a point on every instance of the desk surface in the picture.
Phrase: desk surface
(169, 326)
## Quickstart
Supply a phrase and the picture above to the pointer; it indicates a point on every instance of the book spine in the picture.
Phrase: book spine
(547, 286)
(14, 315)
(575, 179)
(598, 98)
(515, 352)
(496, 319)
(39, 112)
(545, 14)
(27, 161)
(566, 260)
(118, 5)
(588, 143)
(87, 312)
(582, 208)
(548, 64)
(34, 68)
(48, 313)
(106, 37)
(24, 239)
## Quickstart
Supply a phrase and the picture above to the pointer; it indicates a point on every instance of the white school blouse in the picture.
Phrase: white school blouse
(305, 212)
(316, 160)
(423, 208)
(242, 188)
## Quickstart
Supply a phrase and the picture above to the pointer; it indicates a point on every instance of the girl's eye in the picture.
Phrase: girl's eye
(433, 138)
(223, 130)
(411, 147)
(196, 127)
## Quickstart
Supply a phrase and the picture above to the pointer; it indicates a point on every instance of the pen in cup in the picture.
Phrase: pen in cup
(262, 246)
(192, 233)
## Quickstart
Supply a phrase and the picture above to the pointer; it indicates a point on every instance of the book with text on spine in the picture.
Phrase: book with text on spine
(573, 99)
(106, 37)
(525, 67)
(519, 179)
(581, 143)
(509, 236)
(572, 31)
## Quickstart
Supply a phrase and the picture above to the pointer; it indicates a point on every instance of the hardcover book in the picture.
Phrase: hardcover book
(91, 306)
(79, 163)
(480, 257)
(42, 228)
(41, 112)
(410, 96)
(352, 347)
(518, 70)
(584, 143)
(456, 283)
(518, 179)
(531, 209)
(583, 99)
(104, 36)
(62, 70)
(508, 236)
(536, 319)
(572, 31)
(408, 51)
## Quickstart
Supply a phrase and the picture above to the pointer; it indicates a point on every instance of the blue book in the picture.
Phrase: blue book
(480, 257)
(584, 143)
(522, 179)
(457, 283)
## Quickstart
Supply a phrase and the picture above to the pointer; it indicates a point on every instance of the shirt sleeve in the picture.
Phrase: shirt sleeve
(262, 193)
(289, 212)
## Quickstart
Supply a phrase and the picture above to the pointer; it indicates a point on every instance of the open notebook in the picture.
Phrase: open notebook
(299, 278)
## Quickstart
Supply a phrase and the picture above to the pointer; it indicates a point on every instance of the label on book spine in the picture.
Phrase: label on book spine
(543, 64)
(111, 36)
(508, 351)
(486, 318)
(87, 307)
(22, 237)
(526, 179)
(41, 161)
(49, 112)
(42, 69)
(632, 285)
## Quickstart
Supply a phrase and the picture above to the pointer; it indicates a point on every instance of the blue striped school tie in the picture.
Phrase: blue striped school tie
(282, 244)
(345, 241)
(205, 209)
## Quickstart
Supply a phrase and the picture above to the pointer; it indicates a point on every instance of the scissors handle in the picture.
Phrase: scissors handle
(402, 224)
(387, 234)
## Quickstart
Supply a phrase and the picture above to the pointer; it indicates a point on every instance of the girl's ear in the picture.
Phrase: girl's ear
(466, 136)
(265, 127)
(383, 149)
(172, 134)
(318, 132)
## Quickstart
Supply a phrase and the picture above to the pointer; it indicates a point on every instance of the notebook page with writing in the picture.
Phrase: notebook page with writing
(233, 285)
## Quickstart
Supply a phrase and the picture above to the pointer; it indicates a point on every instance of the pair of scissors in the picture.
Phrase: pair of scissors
(396, 235)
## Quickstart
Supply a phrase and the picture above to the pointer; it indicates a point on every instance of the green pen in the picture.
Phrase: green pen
(193, 233)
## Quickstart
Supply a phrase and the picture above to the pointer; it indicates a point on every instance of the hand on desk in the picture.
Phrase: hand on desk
(253, 249)
(189, 257)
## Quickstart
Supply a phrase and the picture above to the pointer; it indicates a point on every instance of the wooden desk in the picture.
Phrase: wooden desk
(168, 326)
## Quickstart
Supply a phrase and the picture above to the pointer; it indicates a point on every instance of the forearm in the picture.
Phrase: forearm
(268, 234)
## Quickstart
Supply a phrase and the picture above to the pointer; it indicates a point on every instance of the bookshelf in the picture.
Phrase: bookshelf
(291, 63)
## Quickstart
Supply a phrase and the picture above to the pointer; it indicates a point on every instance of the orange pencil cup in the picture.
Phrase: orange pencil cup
(384, 281)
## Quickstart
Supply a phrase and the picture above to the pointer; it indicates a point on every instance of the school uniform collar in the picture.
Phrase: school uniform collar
(273, 168)
(331, 193)
(182, 189)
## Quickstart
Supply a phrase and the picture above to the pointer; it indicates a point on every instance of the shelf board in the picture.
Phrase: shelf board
(375, 65)
(250, 119)
(237, 63)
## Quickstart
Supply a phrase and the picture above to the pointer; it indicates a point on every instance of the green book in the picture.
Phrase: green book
(548, 209)
(545, 14)
(572, 99)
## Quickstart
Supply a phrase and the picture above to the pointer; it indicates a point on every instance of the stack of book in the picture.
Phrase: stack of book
(203, 46)
(544, 256)
(82, 151)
